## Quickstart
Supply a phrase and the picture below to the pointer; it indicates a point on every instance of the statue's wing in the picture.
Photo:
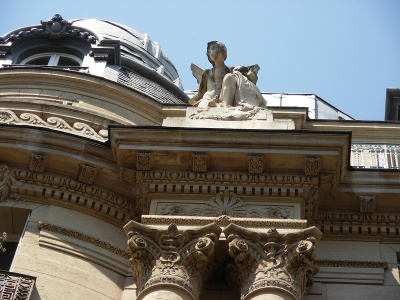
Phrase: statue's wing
(197, 72)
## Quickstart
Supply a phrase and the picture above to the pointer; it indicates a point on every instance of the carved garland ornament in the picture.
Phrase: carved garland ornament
(82, 129)
(272, 260)
(171, 257)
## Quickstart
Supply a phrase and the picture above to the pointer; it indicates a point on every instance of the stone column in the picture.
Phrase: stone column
(271, 265)
(170, 263)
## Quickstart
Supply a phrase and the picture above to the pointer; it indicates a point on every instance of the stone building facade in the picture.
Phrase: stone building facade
(113, 187)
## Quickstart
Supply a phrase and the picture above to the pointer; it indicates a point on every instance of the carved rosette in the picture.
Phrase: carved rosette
(173, 257)
(270, 261)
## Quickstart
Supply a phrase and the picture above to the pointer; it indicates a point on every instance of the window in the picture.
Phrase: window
(52, 59)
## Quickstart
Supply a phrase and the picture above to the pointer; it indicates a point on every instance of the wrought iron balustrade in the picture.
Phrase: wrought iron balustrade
(14, 286)
(375, 156)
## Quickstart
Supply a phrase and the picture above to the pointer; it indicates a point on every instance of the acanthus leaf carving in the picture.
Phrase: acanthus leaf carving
(256, 164)
(367, 204)
(87, 174)
(327, 182)
(143, 161)
(38, 163)
(225, 203)
(128, 175)
(312, 166)
(6, 180)
(171, 256)
(272, 260)
(199, 162)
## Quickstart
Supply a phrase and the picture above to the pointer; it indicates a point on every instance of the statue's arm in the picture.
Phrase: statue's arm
(202, 86)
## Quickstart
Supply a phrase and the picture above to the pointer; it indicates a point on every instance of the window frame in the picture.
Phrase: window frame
(54, 58)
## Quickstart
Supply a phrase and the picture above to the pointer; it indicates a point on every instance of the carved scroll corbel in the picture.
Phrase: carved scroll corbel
(6, 181)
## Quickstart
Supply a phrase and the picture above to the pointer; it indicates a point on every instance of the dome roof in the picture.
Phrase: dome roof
(132, 43)
(131, 57)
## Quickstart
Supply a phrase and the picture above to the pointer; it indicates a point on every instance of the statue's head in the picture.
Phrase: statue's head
(220, 47)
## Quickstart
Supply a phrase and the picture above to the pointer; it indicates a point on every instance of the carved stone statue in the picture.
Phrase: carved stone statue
(226, 86)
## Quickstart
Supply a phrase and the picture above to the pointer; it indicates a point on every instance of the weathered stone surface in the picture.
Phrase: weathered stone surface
(171, 257)
(226, 86)
(272, 261)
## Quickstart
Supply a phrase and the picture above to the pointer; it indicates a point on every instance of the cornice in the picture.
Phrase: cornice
(100, 93)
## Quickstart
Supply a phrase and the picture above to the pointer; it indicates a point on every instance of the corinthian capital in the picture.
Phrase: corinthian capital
(170, 257)
(272, 261)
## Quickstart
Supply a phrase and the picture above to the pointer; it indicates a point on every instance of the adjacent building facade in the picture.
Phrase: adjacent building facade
(99, 148)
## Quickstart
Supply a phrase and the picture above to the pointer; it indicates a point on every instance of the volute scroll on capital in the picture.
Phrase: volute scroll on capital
(171, 257)
(272, 261)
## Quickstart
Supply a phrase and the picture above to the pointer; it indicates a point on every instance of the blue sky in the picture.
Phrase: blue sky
(345, 51)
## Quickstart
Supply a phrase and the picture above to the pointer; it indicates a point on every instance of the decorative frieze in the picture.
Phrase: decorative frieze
(78, 128)
(128, 175)
(38, 187)
(87, 174)
(143, 161)
(210, 182)
(231, 178)
(171, 257)
(367, 204)
(226, 203)
(199, 162)
(351, 263)
(270, 260)
(38, 163)
(83, 237)
(256, 164)
(312, 166)
(224, 221)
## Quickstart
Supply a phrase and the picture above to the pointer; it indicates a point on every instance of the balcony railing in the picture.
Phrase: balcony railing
(14, 286)
(375, 156)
